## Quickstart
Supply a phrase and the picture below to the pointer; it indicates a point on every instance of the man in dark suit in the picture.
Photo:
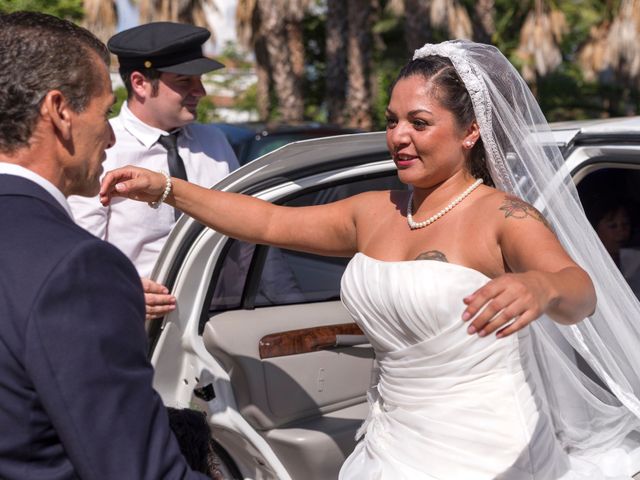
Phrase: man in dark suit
(76, 399)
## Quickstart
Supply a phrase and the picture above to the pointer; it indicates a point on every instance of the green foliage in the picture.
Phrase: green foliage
(121, 96)
(70, 9)
(231, 55)
(231, 79)
(388, 59)
(314, 86)
(247, 101)
(207, 111)
(563, 95)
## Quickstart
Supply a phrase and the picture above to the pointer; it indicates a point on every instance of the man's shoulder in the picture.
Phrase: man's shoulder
(87, 260)
(42, 244)
(212, 142)
(42, 228)
(99, 252)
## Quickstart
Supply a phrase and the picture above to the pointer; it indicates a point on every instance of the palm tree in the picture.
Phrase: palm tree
(182, 11)
(295, 12)
(484, 25)
(613, 44)
(250, 36)
(273, 28)
(422, 17)
(450, 17)
(593, 55)
(540, 38)
(100, 17)
(336, 58)
(416, 21)
(359, 102)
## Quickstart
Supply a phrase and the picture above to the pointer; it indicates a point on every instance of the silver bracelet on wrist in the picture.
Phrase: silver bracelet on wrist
(165, 194)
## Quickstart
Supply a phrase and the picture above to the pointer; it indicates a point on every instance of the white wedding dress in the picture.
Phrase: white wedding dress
(450, 405)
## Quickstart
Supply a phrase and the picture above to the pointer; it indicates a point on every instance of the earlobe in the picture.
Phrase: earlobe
(473, 134)
(56, 109)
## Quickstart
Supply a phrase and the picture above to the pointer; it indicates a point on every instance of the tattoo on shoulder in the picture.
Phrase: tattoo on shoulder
(513, 207)
(433, 255)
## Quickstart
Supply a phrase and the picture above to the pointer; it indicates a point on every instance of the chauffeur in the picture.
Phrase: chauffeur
(161, 65)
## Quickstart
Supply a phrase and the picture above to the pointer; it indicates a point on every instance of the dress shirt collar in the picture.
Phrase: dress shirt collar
(146, 134)
(18, 171)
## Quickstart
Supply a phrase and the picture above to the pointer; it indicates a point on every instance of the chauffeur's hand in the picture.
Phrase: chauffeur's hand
(157, 299)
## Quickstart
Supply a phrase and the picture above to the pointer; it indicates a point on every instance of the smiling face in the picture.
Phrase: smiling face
(174, 103)
(426, 142)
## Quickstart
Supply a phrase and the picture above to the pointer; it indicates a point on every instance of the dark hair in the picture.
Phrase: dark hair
(40, 53)
(450, 91)
(599, 207)
(150, 74)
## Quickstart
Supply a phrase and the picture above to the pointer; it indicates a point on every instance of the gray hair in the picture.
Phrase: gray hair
(40, 53)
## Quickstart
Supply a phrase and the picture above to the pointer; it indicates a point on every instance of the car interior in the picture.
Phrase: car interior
(301, 369)
(610, 196)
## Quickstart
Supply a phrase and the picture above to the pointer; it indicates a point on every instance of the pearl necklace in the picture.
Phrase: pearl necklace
(415, 225)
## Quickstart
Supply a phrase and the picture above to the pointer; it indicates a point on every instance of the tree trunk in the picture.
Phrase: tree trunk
(294, 31)
(359, 47)
(101, 18)
(483, 24)
(416, 22)
(295, 16)
(181, 11)
(336, 76)
(263, 92)
(273, 30)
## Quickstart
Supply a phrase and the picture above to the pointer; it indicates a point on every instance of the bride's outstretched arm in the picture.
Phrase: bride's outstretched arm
(544, 279)
(323, 229)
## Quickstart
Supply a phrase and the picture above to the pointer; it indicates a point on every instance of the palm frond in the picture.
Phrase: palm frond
(100, 17)
(540, 37)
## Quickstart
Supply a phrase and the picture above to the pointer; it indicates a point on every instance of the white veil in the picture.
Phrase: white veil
(523, 160)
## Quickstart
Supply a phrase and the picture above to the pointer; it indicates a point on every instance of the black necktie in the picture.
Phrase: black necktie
(176, 165)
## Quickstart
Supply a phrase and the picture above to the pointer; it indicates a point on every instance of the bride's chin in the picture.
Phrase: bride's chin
(412, 179)
(406, 175)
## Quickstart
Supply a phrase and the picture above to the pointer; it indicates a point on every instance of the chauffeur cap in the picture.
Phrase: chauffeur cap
(163, 46)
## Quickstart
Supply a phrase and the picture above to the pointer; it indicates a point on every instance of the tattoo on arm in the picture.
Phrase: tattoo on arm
(433, 255)
(513, 207)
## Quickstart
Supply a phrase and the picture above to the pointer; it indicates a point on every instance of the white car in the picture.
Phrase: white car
(260, 340)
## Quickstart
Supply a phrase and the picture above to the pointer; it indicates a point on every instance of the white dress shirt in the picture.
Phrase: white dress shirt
(18, 171)
(135, 228)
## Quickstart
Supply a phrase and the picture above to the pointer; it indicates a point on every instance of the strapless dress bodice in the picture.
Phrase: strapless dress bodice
(447, 405)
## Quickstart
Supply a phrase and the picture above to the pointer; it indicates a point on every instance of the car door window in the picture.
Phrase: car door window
(611, 197)
(267, 276)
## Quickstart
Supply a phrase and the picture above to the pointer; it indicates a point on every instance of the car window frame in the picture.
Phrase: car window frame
(253, 277)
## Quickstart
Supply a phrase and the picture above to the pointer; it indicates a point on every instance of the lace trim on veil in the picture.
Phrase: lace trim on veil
(477, 89)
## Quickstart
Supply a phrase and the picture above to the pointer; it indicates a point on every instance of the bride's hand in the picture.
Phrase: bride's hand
(132, 182)
(507, 304)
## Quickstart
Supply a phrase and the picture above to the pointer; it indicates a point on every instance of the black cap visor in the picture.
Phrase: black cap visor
(197, 66)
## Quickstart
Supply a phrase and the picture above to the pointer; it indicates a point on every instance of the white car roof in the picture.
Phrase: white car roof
(565, 132)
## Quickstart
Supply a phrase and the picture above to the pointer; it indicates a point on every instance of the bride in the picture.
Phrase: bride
(475, 302)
